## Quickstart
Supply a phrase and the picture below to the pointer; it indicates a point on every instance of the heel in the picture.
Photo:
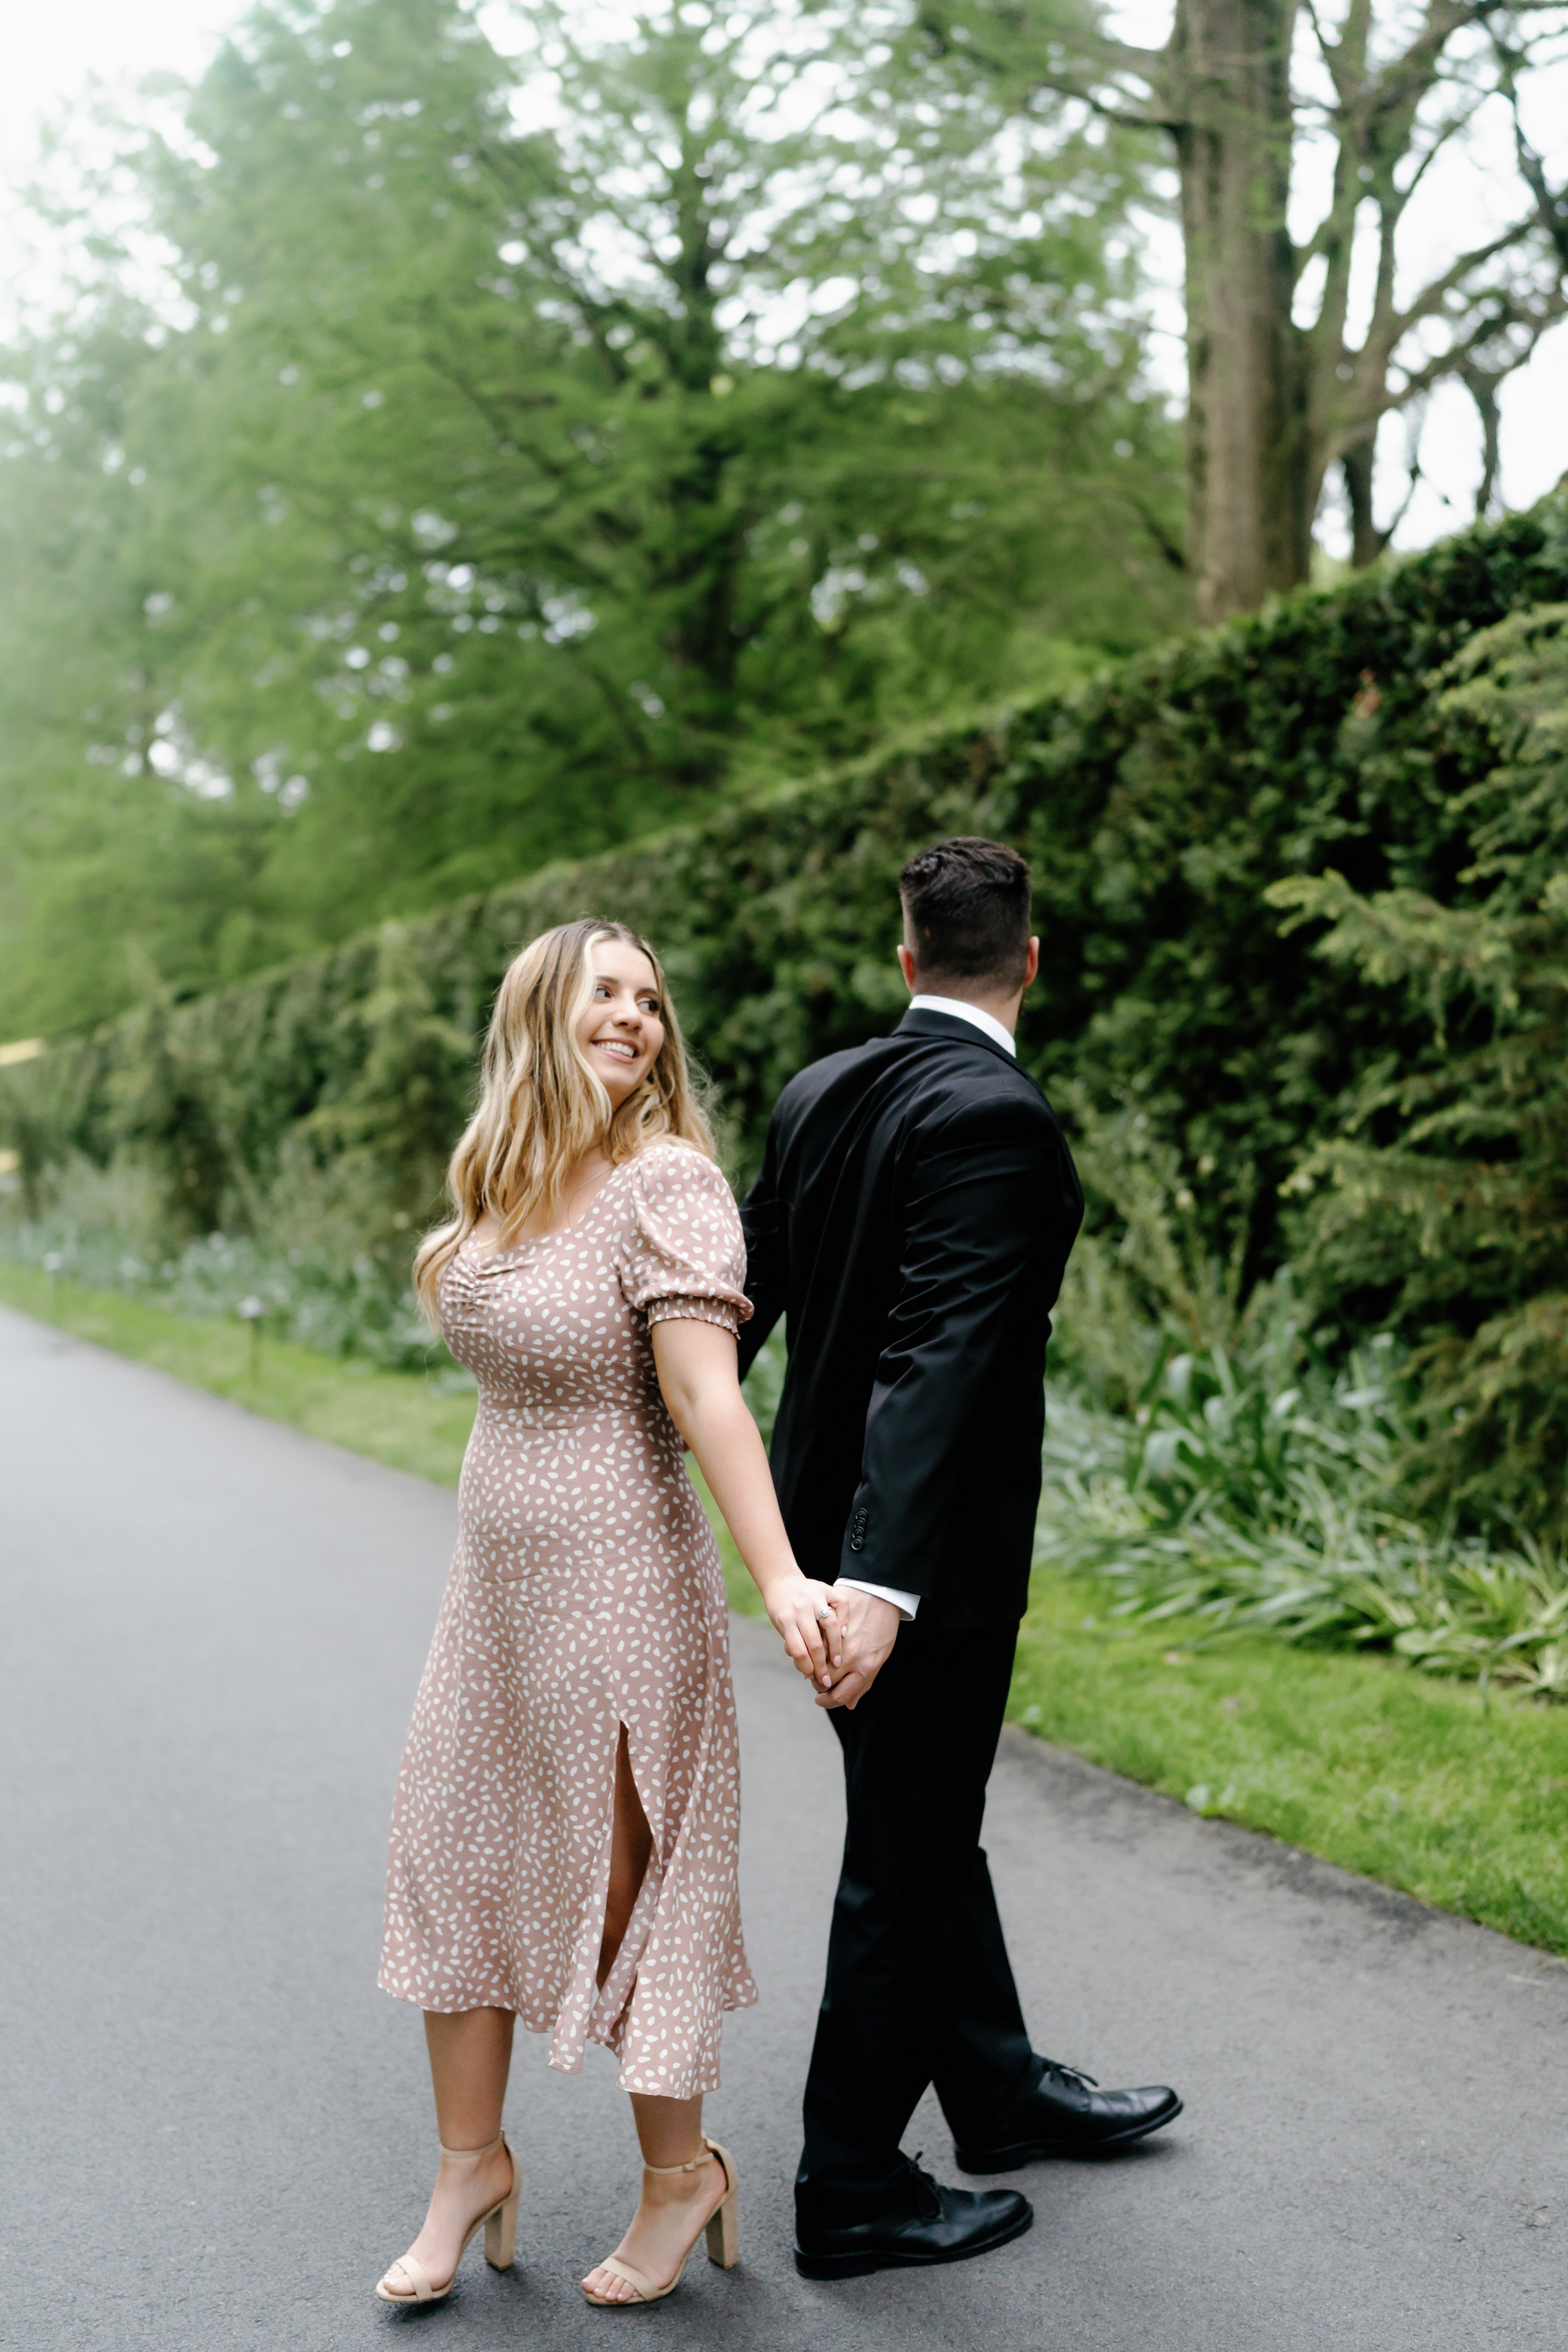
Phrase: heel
(724, 2228)
(725, 2234)
(500, 2222)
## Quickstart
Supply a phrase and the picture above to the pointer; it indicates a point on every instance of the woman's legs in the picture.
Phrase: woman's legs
(469, 2058)
(669, 2131)
(631, 1843)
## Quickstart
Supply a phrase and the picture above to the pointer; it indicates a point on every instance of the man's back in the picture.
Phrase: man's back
(912, 1219)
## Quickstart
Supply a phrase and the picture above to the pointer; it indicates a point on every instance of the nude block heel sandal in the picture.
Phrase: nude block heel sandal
(500, 2237)
(722, 2229)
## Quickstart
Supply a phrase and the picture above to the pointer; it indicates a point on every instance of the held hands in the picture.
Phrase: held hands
(870, 1628)
(794, 1605)
(841, 1652)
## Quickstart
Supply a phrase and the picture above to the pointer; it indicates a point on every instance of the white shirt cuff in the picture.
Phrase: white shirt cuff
(906, 1604)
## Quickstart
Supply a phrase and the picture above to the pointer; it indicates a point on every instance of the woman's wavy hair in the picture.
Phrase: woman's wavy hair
(542, 1107)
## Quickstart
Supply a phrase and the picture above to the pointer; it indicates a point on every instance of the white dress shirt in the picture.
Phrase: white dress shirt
(906, 1603)
(986, 1023)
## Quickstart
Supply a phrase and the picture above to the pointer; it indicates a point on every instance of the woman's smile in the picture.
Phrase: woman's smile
(621, 1028)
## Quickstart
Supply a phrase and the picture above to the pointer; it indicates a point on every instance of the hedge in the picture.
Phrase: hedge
(1155, 806)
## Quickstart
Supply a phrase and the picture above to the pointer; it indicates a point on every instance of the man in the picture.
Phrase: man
(912, 1219)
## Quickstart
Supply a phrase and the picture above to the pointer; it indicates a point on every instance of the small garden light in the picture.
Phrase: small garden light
(251, 1312)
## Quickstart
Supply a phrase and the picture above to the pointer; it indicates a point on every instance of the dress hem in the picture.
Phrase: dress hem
(703, 2079)
(747, 2000)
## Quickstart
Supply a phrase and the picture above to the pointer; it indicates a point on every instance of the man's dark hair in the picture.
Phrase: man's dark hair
(967, 906)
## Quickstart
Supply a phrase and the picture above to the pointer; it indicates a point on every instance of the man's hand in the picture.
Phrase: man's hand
(870, 1629)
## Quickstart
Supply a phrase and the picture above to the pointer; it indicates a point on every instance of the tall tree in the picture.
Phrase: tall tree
(124, 852)
(631, 339)
(536, 441)
(1283, 384)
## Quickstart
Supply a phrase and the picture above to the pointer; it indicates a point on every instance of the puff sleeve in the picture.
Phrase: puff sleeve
(682, 1254)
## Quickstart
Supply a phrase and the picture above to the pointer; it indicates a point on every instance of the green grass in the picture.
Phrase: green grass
(1358, 1759)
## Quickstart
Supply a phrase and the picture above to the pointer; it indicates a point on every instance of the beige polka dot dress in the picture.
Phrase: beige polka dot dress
(585, 1593)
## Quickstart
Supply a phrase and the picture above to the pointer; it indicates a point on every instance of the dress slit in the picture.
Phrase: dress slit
(613, 2000)
(624, 1731)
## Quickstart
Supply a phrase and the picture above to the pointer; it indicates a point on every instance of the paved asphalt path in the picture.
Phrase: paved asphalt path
(217, 2131)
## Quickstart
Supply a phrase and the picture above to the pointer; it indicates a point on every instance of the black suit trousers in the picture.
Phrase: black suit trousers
(920, 1988)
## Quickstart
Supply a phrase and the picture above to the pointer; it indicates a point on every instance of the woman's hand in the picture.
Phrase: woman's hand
(810, 1618)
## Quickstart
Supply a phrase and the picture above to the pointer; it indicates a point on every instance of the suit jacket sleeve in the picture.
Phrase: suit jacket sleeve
(991, 1210)
(767, 1266)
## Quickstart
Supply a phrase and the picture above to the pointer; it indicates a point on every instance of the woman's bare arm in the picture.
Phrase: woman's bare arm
(696, 1363)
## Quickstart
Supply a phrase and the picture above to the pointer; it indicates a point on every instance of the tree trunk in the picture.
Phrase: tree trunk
(1367, 543)
(1250, 527)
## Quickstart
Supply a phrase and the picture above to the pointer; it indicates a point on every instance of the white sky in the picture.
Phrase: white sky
(50, 51)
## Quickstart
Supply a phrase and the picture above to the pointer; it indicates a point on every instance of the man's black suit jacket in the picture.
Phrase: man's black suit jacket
(912, 1219)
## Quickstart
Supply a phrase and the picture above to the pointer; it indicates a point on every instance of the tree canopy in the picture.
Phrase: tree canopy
(462, 459)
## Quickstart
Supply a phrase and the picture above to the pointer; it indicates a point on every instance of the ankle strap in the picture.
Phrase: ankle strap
(488, 2148)
(668, 2171)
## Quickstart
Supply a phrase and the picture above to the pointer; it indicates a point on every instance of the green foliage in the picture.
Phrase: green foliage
(385, 1139)
(1238, 1503)
(1155, 806)
(462, 461)
(1443, 1203)
(1244, 1485)
(112, 876)
(1145, 1273)
(305, 1277)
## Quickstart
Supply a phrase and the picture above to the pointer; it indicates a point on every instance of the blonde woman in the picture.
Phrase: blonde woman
(564, 1842)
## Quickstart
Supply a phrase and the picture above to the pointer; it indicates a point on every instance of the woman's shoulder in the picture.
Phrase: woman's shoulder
(670, 1162)
(670, 1175)
(679, 1230)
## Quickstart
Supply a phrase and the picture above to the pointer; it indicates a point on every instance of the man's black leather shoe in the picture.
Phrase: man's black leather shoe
(921, 2223)
(1068, 2115)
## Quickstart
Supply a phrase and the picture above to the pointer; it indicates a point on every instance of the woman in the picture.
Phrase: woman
(564, 1843)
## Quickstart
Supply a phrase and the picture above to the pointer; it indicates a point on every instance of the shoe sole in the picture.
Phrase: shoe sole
(858, 2265)
(1036, 2151)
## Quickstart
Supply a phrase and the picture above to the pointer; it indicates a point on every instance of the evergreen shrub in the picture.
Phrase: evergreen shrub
(1439, 1208)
